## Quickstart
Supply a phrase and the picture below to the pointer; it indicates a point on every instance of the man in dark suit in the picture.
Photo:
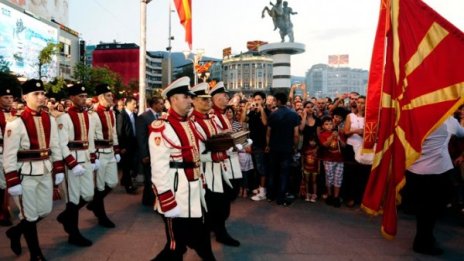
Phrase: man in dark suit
(125, 126)
(156, 107)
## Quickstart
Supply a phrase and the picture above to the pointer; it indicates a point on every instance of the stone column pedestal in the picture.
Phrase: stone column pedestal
(281, 55)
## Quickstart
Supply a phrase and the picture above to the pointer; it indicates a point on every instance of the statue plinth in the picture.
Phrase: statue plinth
(281, 55)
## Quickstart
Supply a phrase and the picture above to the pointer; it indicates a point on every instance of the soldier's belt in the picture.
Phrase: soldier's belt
(78, 145)
(103, 144)
(183, 165)
(33, 155)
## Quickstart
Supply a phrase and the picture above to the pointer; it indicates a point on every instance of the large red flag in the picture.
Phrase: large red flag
(184, 9)
(423, 84)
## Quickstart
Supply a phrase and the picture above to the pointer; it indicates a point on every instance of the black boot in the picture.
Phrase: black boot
(5, 217)
(223, 237)
(64, 218)
(75, 236)
(14, 234)
(32, 239)
(98, 208)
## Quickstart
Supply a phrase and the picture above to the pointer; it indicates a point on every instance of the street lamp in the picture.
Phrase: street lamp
(196, 57)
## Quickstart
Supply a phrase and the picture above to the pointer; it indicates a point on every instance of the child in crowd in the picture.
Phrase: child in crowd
(332, 159)
(310, 168)
(244, 154)
(247, 168)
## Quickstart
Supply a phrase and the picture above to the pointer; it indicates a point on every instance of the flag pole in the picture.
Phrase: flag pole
(169, 45)
(142, 54)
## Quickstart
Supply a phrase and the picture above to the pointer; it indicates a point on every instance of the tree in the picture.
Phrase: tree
(90, 77)
(46, 55)
(82, 73)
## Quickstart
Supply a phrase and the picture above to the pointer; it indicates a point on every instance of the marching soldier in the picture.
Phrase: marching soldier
(32, 163)
(220, 101)
(76, 134)
(107, 152)
(177, 178)
(214, 168)
(9, 86)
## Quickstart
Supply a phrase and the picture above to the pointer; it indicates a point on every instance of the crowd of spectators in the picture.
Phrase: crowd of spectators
(303, 147)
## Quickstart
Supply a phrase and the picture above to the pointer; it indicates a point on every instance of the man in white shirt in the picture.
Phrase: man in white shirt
(427, 182)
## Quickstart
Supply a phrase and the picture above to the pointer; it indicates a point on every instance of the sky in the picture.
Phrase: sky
(326, 27)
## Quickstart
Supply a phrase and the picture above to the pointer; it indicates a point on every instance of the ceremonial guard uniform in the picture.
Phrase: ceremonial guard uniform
(177, 178)
(9, 85)
(215, 168)
(107, 152)
(223, 124)
(31, 156)
(76, 134)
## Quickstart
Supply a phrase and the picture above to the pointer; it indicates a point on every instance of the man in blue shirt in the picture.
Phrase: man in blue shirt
(282, 139)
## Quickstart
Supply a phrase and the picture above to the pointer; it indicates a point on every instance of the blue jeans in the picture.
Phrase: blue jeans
(279, 169)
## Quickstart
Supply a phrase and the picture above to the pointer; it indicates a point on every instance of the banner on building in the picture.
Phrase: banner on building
(338, 59)
(56, 9)
(226, 52)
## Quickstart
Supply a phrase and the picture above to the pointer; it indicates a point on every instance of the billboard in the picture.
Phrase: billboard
(48, 9)
(22, 37)
(339, 59)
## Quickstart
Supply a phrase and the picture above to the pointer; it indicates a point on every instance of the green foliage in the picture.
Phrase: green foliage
(55, 86)
(46, 55)
(92, 76)
(4, 65)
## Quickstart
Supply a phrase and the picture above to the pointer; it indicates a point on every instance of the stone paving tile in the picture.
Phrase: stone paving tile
(266, 231)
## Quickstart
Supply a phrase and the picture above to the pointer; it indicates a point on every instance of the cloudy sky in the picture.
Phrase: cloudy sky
(325, 26)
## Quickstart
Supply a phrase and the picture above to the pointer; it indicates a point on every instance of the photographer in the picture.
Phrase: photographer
(255, 114)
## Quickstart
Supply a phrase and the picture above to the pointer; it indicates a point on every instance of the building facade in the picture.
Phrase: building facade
(154, 71)
(327, 81)
(123, 58)
(247, 72)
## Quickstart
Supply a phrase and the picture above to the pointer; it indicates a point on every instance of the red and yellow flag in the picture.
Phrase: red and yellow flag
(422, 84)
(184, 9)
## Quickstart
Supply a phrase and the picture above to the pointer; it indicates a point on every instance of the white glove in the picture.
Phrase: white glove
(16, 190)
(249, 142)
(175, 212)
(229, 151)
(78, 170)
(59, 178)
(239, 146)
(96, 165)
(117, 157)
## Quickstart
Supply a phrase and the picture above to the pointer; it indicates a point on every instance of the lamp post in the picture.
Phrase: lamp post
(195, 60)
(169, 47)
(142, 54)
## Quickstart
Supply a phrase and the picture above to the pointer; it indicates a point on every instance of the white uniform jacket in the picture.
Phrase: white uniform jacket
(105, 130)
(173, 185)
(16, 140)
(233, 163)
(214, 168)
(76, 150)
(4, 116)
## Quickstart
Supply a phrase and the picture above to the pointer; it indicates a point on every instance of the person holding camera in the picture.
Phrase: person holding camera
(257, 123)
